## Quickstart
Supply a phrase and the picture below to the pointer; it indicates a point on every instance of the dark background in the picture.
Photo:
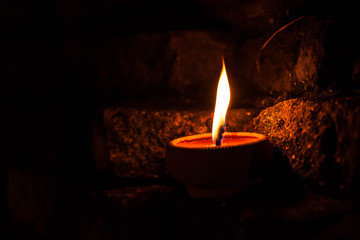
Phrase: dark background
(51, 96)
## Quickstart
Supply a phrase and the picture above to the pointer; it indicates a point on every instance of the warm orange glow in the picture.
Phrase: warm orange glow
(222, 103)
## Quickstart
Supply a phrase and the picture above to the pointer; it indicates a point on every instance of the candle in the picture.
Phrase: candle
(219, 164)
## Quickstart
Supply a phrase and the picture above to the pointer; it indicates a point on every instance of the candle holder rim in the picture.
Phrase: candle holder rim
(259, 138)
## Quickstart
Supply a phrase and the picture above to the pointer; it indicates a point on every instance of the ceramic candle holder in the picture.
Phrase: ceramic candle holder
(210, 171)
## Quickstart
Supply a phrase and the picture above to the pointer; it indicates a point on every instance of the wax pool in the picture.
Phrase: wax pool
(206, 141)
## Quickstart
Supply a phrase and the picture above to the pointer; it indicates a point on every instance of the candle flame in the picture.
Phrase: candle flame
(221, 106)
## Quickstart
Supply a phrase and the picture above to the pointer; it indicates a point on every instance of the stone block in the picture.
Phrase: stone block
(122, 67)
(318, 137)
(299, 61)
(197, 66)
(164, 212)
(253, 17)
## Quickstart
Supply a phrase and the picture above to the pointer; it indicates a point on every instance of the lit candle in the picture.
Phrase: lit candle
(219, 164)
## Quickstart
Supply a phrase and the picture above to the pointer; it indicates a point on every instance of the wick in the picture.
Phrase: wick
(220, 136)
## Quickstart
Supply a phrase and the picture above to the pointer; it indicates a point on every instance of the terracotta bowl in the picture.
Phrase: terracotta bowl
(222, 171)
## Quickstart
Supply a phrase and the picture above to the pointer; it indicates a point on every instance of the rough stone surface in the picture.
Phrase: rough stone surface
(132, 197)
(299, 60)
(273, 208)
(137, 138)
(319, 138)
(197, 67)
(290, 62)
(123, 65)
(164, 212)
(253, 17)
(187, 63)
(184, 63)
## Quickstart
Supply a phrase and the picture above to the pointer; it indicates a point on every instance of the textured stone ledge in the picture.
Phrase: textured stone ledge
(137, 138)
(163, 212)
(42, 203)
(319, 138)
